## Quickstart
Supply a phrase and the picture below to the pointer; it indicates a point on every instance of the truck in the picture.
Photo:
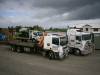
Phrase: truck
(35, 34)
(79, 43)
(52, 46)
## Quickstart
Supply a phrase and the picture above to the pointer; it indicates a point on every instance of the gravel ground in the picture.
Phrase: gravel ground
(12, 63)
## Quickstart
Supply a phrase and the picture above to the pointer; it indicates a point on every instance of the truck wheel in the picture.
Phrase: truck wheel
(51, 55)
(19, 50)
(13, 48)
(77, 52)
(43, 53)
(31, 50)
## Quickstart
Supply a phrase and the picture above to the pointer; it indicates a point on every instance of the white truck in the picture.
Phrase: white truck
(56, 45)
(79, 42)
(35, 34)
(53, 46)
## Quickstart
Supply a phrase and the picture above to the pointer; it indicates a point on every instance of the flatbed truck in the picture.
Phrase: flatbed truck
(52, 46)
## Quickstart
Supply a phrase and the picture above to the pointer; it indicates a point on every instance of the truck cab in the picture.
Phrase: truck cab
(35, 34)
(56, 45)
(80, 43)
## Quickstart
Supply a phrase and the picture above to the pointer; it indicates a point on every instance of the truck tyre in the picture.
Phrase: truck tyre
(31, 50)
(77, 52)
(51, 55)
(20, 50)
(43, 53)
(13, 48)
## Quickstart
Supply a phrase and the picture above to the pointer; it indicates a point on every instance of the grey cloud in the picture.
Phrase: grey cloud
(47, 11)
(77, 9)
(64, 4)
(87, 12)
(2, 1)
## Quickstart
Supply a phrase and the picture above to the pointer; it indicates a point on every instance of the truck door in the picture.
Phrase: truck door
(55, 43)
(47, 42)
(78, 41)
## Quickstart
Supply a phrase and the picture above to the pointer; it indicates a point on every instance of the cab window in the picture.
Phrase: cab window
(78, 38)
(55, 41)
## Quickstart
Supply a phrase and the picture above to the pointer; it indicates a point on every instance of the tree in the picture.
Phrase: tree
(0, 29)
(11, 29)
(50, 28)
(24, 34)
(57, 29)
(18, 28)
(37, 27)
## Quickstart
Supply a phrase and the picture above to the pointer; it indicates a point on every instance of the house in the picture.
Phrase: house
(88, 27)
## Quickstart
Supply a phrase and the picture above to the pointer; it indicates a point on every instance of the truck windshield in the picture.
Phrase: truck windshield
(38, 33)
(86, 37)
(63, 41)
(55, 41)
(78, 38)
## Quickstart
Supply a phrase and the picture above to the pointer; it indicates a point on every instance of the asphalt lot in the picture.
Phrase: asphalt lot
(12, 63)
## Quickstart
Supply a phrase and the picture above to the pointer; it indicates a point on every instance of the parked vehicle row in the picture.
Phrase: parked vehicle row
(55, 45)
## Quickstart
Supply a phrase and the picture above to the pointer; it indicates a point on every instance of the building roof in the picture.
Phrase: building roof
(92, 25)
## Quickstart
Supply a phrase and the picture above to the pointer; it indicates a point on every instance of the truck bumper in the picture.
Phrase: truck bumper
(63, 54)
(85, 52)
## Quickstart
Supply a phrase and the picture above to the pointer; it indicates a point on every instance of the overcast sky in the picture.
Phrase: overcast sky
(49, 13)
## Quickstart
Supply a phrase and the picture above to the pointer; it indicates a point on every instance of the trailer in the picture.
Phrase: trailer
(52, 46)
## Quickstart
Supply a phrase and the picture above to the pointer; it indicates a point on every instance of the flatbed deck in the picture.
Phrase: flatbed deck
(24, 44)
